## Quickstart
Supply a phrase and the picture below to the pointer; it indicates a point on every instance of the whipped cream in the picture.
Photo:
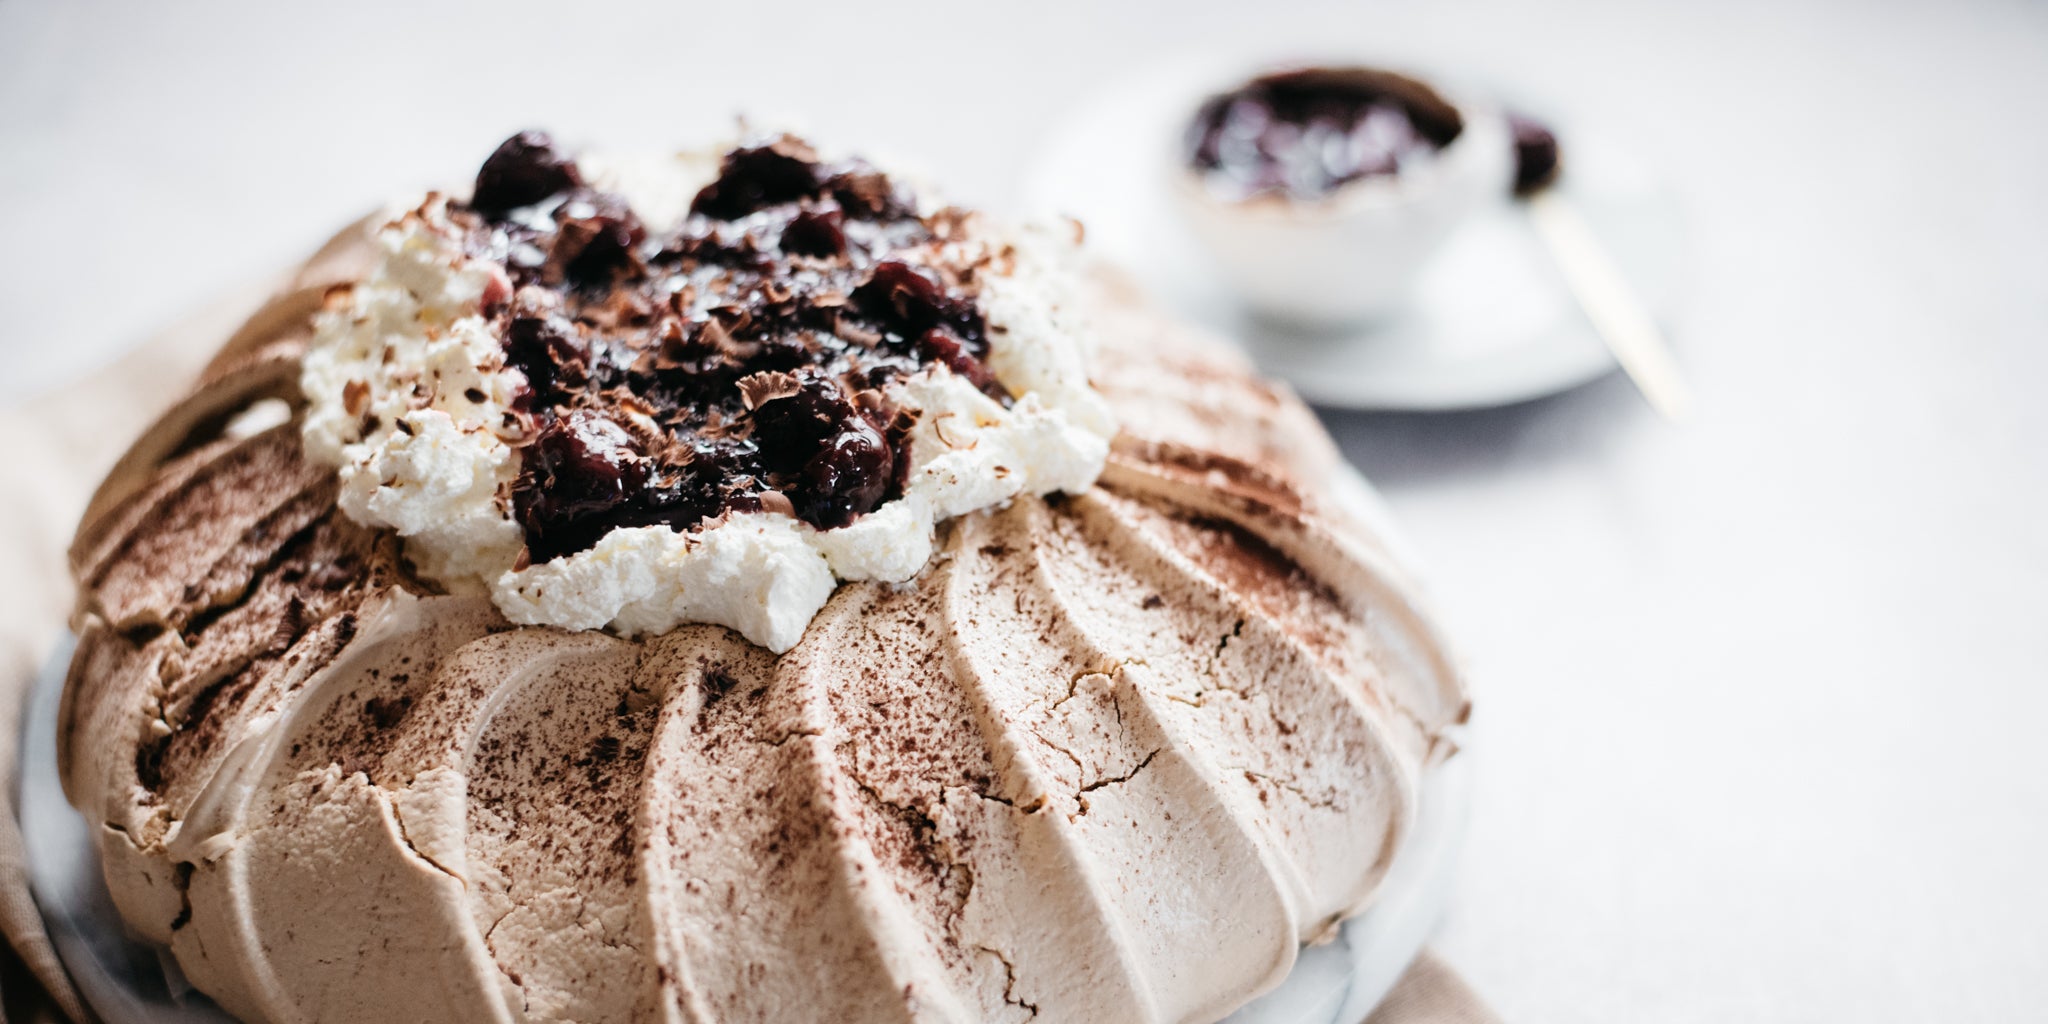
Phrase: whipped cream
(412, 400)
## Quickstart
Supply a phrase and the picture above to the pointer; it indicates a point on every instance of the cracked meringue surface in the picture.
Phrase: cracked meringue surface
(1111, 756)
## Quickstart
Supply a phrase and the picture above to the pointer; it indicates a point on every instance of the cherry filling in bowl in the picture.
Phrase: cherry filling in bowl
(1319, 193)
(1303, 134)
(740, 362)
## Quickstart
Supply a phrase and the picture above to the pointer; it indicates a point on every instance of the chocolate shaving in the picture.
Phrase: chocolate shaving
(355, 397)
(766, 386)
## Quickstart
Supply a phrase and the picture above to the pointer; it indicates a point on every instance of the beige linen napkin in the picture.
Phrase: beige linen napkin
(53, 451)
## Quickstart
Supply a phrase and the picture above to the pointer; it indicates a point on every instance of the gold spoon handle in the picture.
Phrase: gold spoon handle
(1617, 314)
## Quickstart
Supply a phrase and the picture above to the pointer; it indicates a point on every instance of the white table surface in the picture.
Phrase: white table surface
(1762, 697)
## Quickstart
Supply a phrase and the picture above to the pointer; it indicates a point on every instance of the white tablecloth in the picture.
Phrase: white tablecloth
(1762, 696)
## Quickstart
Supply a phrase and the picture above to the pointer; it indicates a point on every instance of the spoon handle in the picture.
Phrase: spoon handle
(1617, 314)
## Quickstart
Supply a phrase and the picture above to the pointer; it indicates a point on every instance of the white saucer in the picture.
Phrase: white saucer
(1491, 322)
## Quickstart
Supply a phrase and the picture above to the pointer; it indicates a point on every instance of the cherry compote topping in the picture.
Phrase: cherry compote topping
(739, 362)
(1536, 155)
(1305, 133)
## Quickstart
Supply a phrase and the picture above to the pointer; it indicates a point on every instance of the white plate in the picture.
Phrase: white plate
(1491, 322)
(131, 982)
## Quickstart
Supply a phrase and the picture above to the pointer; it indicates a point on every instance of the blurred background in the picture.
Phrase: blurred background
(1761, 694)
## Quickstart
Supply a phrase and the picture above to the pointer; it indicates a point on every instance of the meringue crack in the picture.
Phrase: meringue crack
(1236, 630)
(1010, 996)
(1258, 778)
(405, 835)
(1081, 797)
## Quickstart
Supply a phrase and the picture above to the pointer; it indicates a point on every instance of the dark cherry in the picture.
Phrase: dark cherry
(791, 429)
(1536, 154)
(578, 468)
(907, 303)
(838, 464)
(524, 170)
(752, 179)
(548, 350)
(819, 233)
(846, 479)
(866, 194)
(940, 345)
(596, 239)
